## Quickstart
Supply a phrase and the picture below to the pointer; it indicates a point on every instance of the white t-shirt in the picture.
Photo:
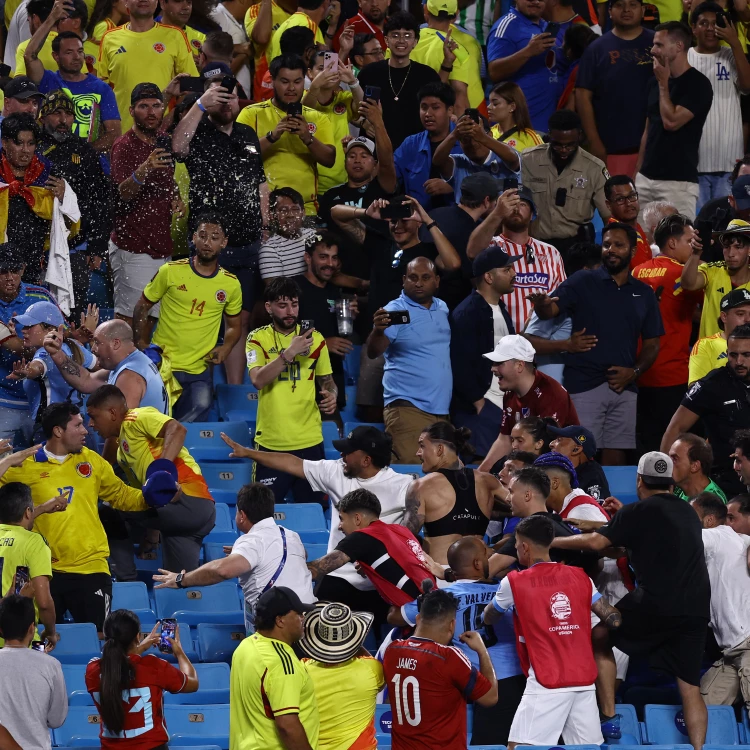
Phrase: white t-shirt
(721, 142)
(263, 548)
(500, 329)
(504, 600)
(726, 558)
(390, 488)
(583, 512)
(236, 30)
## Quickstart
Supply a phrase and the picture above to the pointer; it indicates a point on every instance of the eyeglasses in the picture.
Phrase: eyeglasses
(375, 53)
(289, 211)
(621, 200)
(557, 146)
(407, 36)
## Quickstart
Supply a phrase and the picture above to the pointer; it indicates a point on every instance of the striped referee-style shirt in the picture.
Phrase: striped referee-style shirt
(284, 256)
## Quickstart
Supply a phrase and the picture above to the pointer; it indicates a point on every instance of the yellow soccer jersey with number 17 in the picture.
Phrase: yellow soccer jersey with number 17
(192, 307)
(288, 414)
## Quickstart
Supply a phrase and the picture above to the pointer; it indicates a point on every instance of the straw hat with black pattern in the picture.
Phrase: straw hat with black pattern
(333, 633)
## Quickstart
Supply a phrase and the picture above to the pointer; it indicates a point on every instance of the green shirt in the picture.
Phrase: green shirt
(712, 487)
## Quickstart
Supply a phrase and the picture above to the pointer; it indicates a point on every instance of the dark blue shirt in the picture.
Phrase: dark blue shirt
(617, 315)
(617, 72)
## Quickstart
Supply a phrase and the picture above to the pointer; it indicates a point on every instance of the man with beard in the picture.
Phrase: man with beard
(85, 89)
(538, 265)
(622, 200)
(369, 20)
(76, 161)
(225, 166)
(197, 296)
(364, 464)
(567, 182)
(290, 368)
(621, 312)
(292, 145)
(720, 399)
(143, 172)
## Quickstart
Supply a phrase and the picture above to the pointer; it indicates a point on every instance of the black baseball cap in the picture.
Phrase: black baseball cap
(10, 257)
(368, 439)
(145, 91)
(492, 257)
(735, 298)
(477, 187)
(579, 435)
(21, 87)
(279, 601)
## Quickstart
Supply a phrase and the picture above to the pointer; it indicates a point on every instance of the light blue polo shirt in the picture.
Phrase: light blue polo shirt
(417, 361)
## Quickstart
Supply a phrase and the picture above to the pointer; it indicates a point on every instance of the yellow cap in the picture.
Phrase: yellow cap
(434, 7)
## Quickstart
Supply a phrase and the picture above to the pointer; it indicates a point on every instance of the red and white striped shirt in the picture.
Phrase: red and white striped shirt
(540, 269)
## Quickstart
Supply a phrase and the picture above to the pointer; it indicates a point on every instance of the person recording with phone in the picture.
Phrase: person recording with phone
(290, 366)
(125, 672)
(413, 334)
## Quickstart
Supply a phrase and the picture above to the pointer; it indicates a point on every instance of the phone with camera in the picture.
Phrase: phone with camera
(168, 630)
(330, 62)
(721, 20)
(396, 210)
(229, 83)
(164, 141)
(189, 84)
(704, 227)
(294, 109)
(21, 579)
(553, 29)
(473, 114)
(305, 326)
(372, 93)
(399, 317)
(38, 646)
(510, 183)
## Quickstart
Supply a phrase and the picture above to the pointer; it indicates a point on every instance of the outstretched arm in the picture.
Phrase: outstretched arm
(285, 462)
(328, 563)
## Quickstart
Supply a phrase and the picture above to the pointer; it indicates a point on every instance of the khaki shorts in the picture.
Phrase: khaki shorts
(130, 274)
(728, 677)
(405, 424)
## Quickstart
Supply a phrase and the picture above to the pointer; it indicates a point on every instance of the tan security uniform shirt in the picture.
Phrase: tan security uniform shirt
(583, 180)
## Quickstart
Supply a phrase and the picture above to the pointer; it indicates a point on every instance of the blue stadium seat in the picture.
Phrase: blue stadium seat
(186, 639)
(330, 433)
(351, 364)
(744, 727)
(314, 551)
(78, 644)
(218, 642)
(243, 398)
(629, 726)
(224, 519)
(213, 551)
(665, 725)
(621, 480)
(204, 442)
(349, 412)
(131, 595)
(349, 426)
(189, 725)
(220, 375)
(213, 680)
(383, 719)
(152, 563)
(300, 516)
(75, 683)
(217, 603)
(81, 727)
(408, 469)
(313, 537)
(558, 747)
(226, 479)
(221, 537)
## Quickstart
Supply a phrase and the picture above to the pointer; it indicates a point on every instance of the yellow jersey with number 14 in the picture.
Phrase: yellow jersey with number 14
(288, 414)
(192, 307)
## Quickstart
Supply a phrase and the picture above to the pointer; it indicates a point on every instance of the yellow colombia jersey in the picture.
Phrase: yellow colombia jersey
(707, 354)
(191, 311)
(340, 112)
(278, 16)
(268, 680)
(296, 19)
(353, 708)
(520, 140)
(196, 39)
(718, 283)
(288, 162)
(101, 29)
(75, 536)
(140, 444)
(127, 58)
(19, 547)
(466, 66)
(288, 415)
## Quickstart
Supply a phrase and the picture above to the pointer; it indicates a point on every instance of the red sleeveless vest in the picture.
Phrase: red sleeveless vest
(553, 624)
(402, 547)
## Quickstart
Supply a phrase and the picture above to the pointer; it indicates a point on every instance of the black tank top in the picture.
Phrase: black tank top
(466, 517)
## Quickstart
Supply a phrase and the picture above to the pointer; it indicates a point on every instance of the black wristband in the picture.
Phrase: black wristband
(270, 138)
(430, 225)
(447, 70)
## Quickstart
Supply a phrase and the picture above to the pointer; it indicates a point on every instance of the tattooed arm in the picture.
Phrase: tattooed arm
(74, 374)
(414, 514)
(330, 562)
(609, 616)
(329, 393)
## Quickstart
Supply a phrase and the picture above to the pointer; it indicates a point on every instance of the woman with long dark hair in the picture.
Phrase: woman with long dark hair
(127, 687)
(530, 434)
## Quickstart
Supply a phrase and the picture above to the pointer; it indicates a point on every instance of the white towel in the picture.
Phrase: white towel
(59, 277)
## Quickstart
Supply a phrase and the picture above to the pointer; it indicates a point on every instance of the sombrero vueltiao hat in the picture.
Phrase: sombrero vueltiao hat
(333, 633)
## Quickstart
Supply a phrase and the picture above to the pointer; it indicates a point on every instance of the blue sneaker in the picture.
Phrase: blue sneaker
(611, 728)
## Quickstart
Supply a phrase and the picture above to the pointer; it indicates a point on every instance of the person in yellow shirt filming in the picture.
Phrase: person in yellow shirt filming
(152, 454)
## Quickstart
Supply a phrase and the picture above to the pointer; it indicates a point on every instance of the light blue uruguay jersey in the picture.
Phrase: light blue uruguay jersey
(500, 639)
(156, 392)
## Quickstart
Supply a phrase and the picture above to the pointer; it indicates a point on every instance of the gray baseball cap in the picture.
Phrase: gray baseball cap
(657, 468)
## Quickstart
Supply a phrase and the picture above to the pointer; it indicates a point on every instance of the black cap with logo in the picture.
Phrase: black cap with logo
(279, 601)
(370, 440)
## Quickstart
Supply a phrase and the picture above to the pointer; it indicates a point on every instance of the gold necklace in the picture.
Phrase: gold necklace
(396, 93)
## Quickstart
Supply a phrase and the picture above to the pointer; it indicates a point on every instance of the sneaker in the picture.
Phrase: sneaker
(611, 728)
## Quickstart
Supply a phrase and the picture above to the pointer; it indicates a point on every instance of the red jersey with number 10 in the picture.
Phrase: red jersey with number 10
(144, 727)
(429, 686)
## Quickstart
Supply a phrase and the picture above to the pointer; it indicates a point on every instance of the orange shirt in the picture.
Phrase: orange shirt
(642, 250)
(663, 274)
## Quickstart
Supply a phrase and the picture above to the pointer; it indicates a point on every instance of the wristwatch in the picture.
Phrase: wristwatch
(637, 372)
(178, 580)
(270, 138)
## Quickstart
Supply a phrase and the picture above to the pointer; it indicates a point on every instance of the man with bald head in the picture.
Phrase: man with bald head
(413, 333)
(469, 573)
(120, 363)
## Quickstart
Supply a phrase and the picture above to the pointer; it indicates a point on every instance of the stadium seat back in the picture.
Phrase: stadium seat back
(408, 469)
(217, 643)
(349, 426)
(224, 518)
(188, 723)
(629, 725)
(130, 595)
(81, 723)
(314, 537)
(330, 433)
(351, 364)
(78, 644)
(196, 605)
(226, 479)
(213, 551)
(236, 397)
(314, 551)
(213, 680)
(300, 516)
(75, 683)
(204, 442)
(665, 725)
(621, 479)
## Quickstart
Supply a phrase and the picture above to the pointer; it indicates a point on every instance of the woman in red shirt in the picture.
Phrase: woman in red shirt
(127, 687)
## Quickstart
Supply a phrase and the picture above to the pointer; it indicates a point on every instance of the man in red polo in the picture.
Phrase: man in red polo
(622, 201)
(528, 393)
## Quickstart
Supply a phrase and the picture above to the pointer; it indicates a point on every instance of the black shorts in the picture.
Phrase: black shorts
(87, 596)
(672, 644)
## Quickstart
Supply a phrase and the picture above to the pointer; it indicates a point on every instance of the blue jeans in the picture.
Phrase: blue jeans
(712, 185)
(17, 426)
(196, 397)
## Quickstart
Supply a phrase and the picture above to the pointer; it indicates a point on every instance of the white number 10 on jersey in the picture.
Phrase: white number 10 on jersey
(401, 692)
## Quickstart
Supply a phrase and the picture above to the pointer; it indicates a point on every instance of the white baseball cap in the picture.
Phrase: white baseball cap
(512, 347)
(657, 468)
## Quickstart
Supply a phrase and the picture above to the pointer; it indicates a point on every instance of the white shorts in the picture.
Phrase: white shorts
(542, 717)
(130, 274)
(622, 660)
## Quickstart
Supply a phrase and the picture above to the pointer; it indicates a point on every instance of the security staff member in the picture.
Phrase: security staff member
(567, 183)
(722, 400)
